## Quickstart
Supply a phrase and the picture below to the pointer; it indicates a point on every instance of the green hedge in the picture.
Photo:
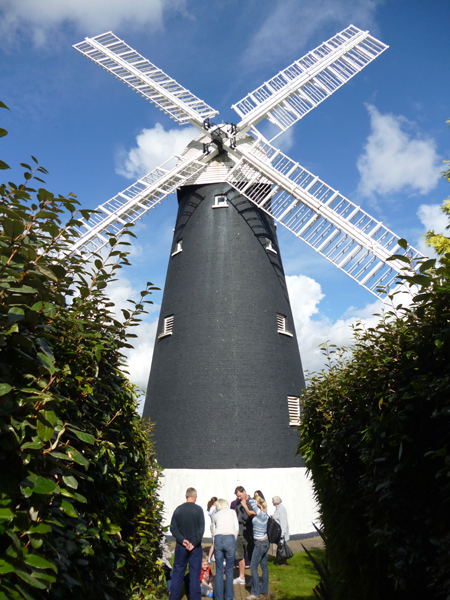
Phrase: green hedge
(79, 515)
(375, 435)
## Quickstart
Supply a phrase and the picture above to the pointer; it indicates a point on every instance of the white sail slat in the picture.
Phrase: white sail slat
(116, 57)
(293, 92)
(132, 203)
(335, 227)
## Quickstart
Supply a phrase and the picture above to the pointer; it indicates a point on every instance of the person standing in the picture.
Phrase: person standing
(235, 501)
(211, 509)
(244, 542)
(225, 531)
(280, 516)
(261, 549)
(187, 527)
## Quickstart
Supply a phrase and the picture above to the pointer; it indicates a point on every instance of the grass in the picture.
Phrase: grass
(296, 580)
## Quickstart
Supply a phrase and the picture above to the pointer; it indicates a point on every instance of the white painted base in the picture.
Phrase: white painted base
(292, 485)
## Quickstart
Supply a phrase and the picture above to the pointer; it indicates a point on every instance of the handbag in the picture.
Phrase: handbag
(273, 531)
(284, 552)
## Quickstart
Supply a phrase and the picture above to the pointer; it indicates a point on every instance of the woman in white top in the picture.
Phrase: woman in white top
(225, 531)
(280, 516)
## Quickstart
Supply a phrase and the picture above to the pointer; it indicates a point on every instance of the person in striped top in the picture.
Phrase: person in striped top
(261, 549)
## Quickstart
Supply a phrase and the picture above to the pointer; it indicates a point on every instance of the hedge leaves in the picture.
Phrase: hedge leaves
(79, 515)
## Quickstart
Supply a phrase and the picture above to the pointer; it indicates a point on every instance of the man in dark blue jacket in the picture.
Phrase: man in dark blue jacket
(187, 527)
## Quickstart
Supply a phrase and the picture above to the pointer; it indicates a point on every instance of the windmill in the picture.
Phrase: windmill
(226, 377)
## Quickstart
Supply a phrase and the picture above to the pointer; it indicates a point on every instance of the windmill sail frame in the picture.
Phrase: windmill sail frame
(336, 228)
(295, 91)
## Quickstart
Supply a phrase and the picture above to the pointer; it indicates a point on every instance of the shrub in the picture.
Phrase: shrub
(375, 436)
(79, 515)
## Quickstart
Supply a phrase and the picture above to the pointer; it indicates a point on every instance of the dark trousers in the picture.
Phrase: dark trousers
(181, 559)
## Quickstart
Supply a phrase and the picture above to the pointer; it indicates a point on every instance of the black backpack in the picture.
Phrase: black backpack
(273, 531)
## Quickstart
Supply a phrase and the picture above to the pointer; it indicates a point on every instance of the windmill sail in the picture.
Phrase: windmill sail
(326, 220)
(291, 94)
(342, 232)
(131, 204)
(115, 56)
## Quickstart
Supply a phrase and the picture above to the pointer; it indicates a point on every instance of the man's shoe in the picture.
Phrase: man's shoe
(238, 580)
(252, 597)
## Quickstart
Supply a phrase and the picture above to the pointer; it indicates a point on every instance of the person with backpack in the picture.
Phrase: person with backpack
(261, 547)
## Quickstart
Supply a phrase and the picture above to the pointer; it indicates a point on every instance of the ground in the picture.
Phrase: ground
(240, 591)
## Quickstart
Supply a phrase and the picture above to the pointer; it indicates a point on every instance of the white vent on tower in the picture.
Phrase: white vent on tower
(167, 327)
(294, 408)
(269, 246)
(220, 201)
(281, 325)
(178, 248)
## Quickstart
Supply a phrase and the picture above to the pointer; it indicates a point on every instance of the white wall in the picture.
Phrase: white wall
(292, 485)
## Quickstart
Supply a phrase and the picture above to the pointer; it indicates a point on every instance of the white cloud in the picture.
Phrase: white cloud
(432, 217)
(138, 358)
(41, 19)
(396, 158)
(121, 290)
(292, 25)
(154, 146)
(305, 295)
(285, 139)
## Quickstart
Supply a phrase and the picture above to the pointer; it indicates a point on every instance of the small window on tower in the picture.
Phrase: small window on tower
(220, 201)
(281, 325)
(178, 247)
(167, 327)
(295, 411)
(269, 246)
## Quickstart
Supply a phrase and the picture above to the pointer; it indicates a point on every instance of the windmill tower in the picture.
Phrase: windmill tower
(226, 377)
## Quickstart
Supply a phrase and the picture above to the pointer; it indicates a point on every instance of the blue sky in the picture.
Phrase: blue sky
(380, 140)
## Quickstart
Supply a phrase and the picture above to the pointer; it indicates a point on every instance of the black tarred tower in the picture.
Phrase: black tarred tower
(226, 365)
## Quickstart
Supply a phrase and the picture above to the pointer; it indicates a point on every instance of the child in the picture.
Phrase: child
(206, 578)
(165, 562)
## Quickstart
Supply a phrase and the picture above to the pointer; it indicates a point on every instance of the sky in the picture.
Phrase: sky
(380, 140)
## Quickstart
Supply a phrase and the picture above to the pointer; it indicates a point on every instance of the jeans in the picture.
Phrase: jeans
(224, 547)
(260, 557)
(181, 559)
